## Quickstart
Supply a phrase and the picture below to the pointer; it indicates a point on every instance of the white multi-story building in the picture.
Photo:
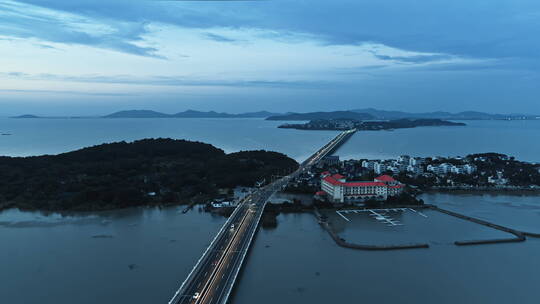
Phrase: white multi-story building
(417, 161)
(338, 190)
(368, 164)
(393, 169)
(457, 170)
(404, 159)
(379, 168)
(436, 169)
(469, 169)
(415, 169)
(445, 168)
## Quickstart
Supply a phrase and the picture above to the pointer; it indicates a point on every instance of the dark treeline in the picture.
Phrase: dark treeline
(144, 172)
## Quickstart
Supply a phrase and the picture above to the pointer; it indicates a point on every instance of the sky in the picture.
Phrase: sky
(88, 57)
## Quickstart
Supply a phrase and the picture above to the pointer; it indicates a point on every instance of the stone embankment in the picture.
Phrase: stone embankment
(519, 236)
(341, 242)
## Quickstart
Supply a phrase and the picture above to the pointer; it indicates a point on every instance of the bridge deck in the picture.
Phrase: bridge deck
(212, 278)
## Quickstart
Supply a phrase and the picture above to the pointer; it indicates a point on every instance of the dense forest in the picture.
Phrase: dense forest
(144, 172)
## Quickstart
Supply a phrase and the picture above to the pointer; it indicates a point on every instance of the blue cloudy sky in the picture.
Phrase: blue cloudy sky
(94, 57)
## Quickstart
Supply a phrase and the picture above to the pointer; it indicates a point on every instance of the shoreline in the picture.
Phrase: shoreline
(492, 192)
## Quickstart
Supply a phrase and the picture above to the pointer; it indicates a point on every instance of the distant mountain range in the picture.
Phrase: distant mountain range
(323, 115)
(467, 115)
(357, 114)
(26, 116)
(186, 114)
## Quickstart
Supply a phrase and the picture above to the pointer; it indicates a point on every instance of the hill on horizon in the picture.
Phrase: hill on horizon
(464, 115)
(323, 115)
(186, 114)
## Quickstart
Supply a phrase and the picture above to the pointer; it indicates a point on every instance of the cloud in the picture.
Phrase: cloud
(218, 38)
(30, 21)
(495, 29)
(166, 80)
(66, 92)
(415, 58)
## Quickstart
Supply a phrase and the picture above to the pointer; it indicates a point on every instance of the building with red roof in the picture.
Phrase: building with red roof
(385, 179)
(339, 190)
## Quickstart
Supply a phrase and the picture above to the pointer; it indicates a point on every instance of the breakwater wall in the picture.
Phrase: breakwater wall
(341, 242)
(531, 234)
(518, 235)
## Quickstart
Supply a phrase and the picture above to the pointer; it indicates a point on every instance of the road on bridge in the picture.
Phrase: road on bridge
(214, 275)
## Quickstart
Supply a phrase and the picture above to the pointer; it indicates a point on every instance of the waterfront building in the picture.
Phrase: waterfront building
(224, 204)
(339, 190)
(498, 180)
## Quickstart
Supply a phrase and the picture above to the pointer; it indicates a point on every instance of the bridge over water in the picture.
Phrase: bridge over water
(212, 278)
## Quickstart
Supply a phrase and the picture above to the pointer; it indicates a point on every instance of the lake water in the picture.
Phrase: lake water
(49, 136)
(298, 262)
(126, 256)
(142, 255)
(516, 138)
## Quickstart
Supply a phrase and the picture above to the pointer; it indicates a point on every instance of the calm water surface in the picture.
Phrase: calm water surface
(517, 138)
(298, 262)
(51, 136)
(126, 256)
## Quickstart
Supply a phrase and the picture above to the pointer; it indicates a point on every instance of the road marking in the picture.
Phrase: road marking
(422, 214)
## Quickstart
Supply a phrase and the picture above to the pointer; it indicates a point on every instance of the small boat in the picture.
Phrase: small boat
(6, 134)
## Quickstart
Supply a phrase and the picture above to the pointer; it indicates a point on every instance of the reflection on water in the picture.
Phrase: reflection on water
(142, 255)
(138, 255)
(51, 136)
(299, 263)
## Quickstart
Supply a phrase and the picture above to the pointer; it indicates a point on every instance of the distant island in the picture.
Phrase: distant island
(26, 116)
(144, 172)
(347, 124)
